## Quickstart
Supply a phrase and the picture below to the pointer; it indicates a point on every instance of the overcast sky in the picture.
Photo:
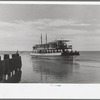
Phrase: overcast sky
(22, 24)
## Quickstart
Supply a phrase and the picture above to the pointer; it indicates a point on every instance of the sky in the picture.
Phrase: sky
(21, 25)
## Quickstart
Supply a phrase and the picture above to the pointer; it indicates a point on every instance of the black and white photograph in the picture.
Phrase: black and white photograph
(49, 43)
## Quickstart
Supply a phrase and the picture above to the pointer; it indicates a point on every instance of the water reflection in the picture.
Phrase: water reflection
(54, 71)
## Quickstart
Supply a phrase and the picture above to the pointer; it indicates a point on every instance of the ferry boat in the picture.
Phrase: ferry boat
(58, 49)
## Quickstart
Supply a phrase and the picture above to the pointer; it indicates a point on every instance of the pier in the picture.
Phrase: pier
(10, 68)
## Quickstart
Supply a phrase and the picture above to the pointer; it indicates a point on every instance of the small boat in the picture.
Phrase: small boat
(58, 49)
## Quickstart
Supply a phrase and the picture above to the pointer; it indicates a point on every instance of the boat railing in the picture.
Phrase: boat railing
(48, 51)
(65, 52)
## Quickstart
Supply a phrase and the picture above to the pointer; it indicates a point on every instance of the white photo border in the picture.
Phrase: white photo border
(49, 91)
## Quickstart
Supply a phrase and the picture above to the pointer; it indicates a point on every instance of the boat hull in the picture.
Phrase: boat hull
(53, 56)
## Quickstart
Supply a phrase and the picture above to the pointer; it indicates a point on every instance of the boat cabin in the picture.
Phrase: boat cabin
(54, 46)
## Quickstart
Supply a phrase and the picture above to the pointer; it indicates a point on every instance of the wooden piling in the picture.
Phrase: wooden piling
(9, 67)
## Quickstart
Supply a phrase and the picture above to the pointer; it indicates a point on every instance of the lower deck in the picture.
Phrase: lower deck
(53, 56)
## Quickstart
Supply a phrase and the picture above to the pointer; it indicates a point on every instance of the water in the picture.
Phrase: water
(84, 69)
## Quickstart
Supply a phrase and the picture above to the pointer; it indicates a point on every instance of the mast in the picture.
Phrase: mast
(41, 38)
(46, 38)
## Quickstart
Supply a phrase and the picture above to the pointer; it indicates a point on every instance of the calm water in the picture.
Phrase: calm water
(84, 69)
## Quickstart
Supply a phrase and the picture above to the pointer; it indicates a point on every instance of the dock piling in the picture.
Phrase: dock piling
(9, 67)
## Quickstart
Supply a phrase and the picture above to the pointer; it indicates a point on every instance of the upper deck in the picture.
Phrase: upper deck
(57, 44)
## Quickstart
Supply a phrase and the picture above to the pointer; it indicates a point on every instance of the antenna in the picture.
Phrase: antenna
(46, 38)
(41, 38)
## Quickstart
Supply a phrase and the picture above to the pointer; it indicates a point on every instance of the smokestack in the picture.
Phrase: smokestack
(46, 38)
(41, 38)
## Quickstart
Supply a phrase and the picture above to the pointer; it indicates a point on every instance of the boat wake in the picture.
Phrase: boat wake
(91, 66)
(88, 60)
